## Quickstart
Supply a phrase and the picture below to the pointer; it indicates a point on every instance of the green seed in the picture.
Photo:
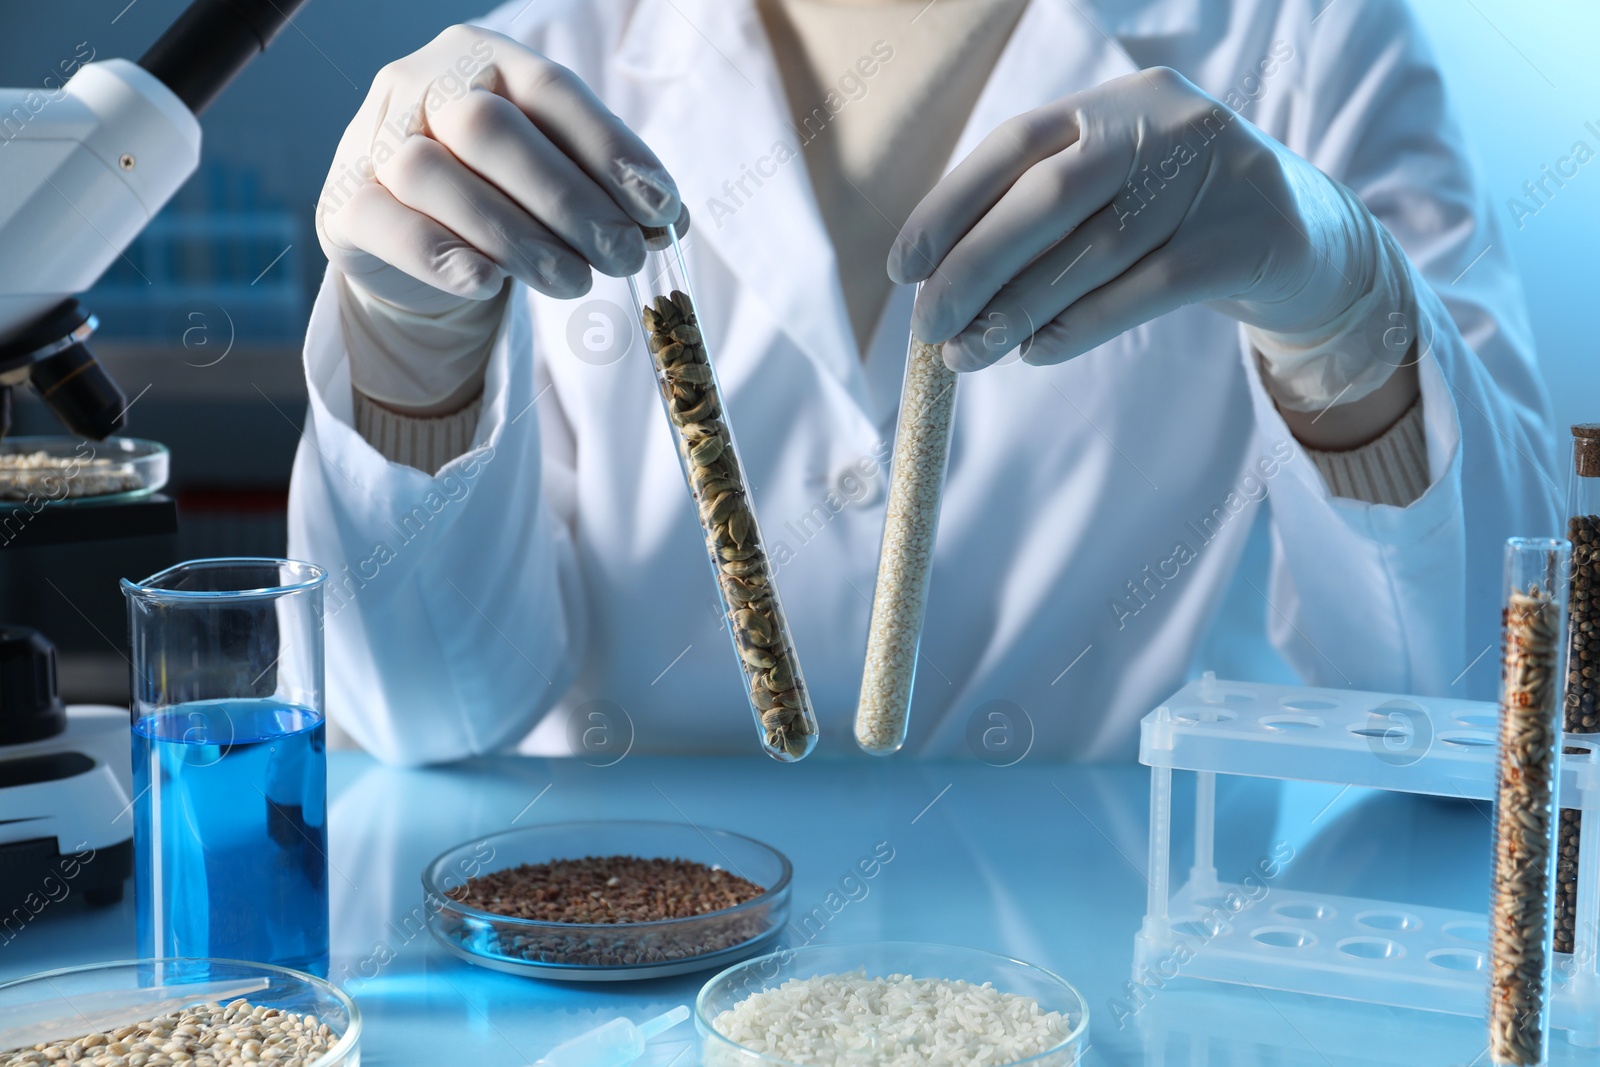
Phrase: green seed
(706, 450)
(741, 528)
(720, 509)
(759, 658)
(698, 373)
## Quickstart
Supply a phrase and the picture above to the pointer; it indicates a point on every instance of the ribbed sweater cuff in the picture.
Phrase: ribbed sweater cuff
(424, 443)
(1391, 470)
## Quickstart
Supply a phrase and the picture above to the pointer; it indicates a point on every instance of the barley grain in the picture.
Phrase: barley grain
(207, 1033)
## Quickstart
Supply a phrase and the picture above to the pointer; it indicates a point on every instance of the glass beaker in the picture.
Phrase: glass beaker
(229, 762)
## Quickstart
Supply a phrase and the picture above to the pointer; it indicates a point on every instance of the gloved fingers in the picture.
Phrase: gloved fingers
(427, 178)
(586, 131)
(373, 234)
(977, 183)
(1095, 254)
(494, 138)
(1175, 275)
(1050, 199)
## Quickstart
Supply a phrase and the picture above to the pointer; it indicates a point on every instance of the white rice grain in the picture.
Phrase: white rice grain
(899, 1021)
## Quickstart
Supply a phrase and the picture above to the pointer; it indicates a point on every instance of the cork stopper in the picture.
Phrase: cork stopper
(1586, 449)
(656, 237)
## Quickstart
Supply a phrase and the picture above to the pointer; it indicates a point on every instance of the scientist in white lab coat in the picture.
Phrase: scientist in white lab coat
(1199, 261)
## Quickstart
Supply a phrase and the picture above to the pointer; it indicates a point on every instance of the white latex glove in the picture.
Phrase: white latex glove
(471, 160)
(1087, 217)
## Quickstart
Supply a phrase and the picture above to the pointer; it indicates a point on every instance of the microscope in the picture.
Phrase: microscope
(83, 169)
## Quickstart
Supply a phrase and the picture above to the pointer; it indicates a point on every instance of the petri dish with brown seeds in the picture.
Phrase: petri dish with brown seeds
(540, 901)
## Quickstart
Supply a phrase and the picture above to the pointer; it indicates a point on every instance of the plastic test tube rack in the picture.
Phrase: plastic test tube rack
(1374, 951)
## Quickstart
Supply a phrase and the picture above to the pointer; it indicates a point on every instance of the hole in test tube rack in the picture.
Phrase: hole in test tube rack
(1397, 731)
(1284, 937)
(1194, 715)
(1477, 719)
(1468, 740)
(1371, 948)
(1570, 749)
(1292, 722)
(1305, 911)
(1397, 921)
(1469, 930)
(1456, 959)
(1198, 929)
(1309, 705)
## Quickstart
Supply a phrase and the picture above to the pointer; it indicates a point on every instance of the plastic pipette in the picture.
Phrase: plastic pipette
(613, 1044)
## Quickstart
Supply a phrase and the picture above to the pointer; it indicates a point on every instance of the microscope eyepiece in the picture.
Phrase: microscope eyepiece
(211, 42)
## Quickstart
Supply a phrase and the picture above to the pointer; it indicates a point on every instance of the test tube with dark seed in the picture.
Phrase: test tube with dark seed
(744, 575)
(1582, 714)
(1522, 913)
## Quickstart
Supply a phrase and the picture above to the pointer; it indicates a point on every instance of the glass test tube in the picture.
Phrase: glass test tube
(230, 762)
(911, 519)
(693, 403)
(1582, 714)
(1521, 915)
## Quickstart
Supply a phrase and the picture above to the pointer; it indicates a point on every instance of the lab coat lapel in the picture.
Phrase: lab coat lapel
(1057, 49)
(1126, 19)
(714, 110)
(709, 100)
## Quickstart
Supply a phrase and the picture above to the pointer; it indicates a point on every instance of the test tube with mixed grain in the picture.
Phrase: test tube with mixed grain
(1521, 914)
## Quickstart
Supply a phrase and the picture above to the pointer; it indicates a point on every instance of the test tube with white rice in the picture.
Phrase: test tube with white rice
(916, 484)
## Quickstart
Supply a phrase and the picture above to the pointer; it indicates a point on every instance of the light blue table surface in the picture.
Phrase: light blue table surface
(1040, 861)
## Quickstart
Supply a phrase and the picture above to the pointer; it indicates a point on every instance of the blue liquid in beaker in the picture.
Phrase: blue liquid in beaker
(230, 833)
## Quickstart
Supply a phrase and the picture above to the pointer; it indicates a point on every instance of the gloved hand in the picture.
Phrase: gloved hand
(1077, 221)
(471, 160)
(474, 158)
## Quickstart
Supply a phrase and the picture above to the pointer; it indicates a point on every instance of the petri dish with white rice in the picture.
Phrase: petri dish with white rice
(39, 471)
(889, 1004)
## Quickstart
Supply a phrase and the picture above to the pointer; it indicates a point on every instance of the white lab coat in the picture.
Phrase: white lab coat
(1094, 511)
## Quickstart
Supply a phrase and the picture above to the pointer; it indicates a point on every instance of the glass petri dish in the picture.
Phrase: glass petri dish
(608, 952)
(75, 1001)
(68, 471)
(880, 960)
